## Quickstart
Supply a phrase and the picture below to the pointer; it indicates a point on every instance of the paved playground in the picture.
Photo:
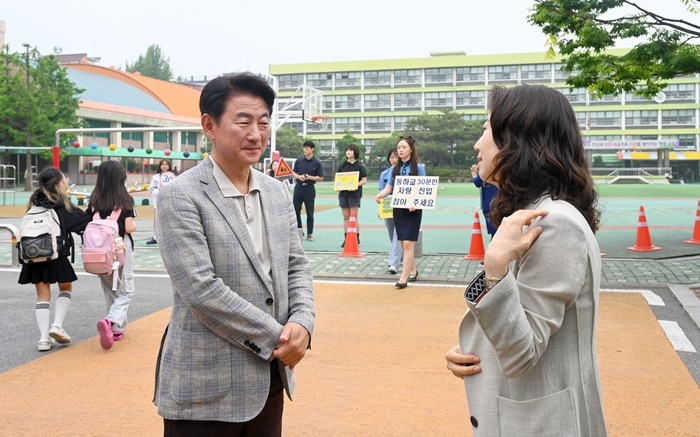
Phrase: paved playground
(376, 368)
(377, 365)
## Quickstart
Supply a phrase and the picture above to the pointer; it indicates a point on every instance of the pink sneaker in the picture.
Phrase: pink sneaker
(104, 327)
(117, 335)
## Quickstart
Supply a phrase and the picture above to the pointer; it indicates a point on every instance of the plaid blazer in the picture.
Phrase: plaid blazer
(226, 317)
(535, 333)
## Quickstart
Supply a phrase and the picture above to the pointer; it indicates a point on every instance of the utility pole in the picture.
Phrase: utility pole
(29, 173)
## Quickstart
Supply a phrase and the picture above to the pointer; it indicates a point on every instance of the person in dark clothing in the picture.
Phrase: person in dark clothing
(53, 193)
(307, 171)
(487, 192)
(350, 200)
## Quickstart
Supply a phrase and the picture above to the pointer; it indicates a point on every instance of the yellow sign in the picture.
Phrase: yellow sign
(346, 181)
(385, 209)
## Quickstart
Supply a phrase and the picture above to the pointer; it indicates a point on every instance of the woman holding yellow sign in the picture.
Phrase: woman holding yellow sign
(349, 199)
(406, 221)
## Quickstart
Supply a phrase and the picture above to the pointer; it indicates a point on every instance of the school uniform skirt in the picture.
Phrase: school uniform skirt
(58, 270)
(407, 223)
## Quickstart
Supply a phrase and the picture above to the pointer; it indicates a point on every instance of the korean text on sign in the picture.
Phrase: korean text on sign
(417, 191)
(346, 181)
(385, 210)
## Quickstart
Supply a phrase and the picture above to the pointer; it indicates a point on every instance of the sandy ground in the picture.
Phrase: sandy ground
(376, 369)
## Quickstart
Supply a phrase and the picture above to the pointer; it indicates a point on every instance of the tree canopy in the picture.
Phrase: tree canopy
(344, 142)
(288, 142)
(36, 99)
(381, 149)
(582, 31)
(153, 64)
(445, 138)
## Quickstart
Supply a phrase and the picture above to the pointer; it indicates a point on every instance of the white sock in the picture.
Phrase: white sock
(62, 304)
(42, 319)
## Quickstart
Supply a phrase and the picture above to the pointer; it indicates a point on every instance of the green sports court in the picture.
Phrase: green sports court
(670, 212)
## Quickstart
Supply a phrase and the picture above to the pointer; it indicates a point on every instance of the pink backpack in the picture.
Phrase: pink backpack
(103, 248)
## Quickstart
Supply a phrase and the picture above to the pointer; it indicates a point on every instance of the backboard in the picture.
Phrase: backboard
(312, 105)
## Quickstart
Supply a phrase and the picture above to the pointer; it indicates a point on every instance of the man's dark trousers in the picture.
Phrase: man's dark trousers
(305, 192)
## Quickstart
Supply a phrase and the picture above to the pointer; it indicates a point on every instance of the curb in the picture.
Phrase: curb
(688, 300)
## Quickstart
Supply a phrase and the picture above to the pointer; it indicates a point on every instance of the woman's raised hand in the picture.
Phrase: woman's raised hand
(510, 243)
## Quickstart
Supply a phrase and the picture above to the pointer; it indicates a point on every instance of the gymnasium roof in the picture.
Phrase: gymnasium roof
(131, 90)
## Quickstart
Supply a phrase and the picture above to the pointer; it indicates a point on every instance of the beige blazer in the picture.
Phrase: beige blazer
(226, 316)
(535, 333)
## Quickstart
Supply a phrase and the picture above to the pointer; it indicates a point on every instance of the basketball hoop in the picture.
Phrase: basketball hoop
(323, 120)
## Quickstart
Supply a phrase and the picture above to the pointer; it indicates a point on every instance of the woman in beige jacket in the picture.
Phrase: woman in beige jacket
(527, 344)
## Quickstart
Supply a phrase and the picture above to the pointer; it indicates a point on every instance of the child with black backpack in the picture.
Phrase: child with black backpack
(54, 267)
(110, 195)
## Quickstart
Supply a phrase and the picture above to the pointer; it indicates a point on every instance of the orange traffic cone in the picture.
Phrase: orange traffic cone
(696, 231)
(644, 243)
(476, 249)
(351, 247)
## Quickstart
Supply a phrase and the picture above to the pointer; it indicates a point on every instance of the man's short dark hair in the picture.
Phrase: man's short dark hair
(309, 143)
(216, 93)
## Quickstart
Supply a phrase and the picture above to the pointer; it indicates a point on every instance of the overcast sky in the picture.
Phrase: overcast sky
(218, 36)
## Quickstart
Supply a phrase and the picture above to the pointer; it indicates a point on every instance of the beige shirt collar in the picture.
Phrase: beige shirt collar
(226, 186)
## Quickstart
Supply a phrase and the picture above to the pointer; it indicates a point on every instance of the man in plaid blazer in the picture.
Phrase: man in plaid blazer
(243, 306)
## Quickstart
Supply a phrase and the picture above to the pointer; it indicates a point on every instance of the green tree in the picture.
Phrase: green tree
(582, 31)
(10, 90)
(153, 64)
(343, 143)
(288, 142)
(43, 98)
(381, 148)
(445, 138)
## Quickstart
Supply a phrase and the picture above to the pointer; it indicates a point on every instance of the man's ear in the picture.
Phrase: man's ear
(208, 126)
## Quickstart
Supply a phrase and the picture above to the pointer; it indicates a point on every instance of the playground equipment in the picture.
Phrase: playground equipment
(646, 175)
(13, 241)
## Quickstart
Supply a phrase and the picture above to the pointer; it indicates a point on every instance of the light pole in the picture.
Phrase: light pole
(28, 181)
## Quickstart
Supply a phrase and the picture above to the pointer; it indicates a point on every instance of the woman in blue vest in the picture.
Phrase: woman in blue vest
(406, 221)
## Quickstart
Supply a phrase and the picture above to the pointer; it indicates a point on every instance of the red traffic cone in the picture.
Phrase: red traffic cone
(696, 231)
(644, 243)
(476, 249)
(351, 247)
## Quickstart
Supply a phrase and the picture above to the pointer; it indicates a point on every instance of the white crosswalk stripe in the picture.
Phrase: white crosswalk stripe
(676, 336)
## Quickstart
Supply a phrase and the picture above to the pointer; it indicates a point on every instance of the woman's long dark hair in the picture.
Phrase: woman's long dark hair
(110, 192)
(540, 152)
(50, 180)
(413, 161)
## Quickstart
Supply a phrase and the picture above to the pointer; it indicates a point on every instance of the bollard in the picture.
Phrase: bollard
(418, 248)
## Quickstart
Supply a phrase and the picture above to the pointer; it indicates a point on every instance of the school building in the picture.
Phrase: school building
(375, 97)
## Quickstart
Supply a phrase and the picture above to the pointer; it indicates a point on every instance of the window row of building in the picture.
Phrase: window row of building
(326, 147)
(373, 98)
(651, 119)
(421, 101)
(422, 77)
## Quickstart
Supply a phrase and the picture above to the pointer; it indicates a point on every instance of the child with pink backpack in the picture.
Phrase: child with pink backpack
(106, 250)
